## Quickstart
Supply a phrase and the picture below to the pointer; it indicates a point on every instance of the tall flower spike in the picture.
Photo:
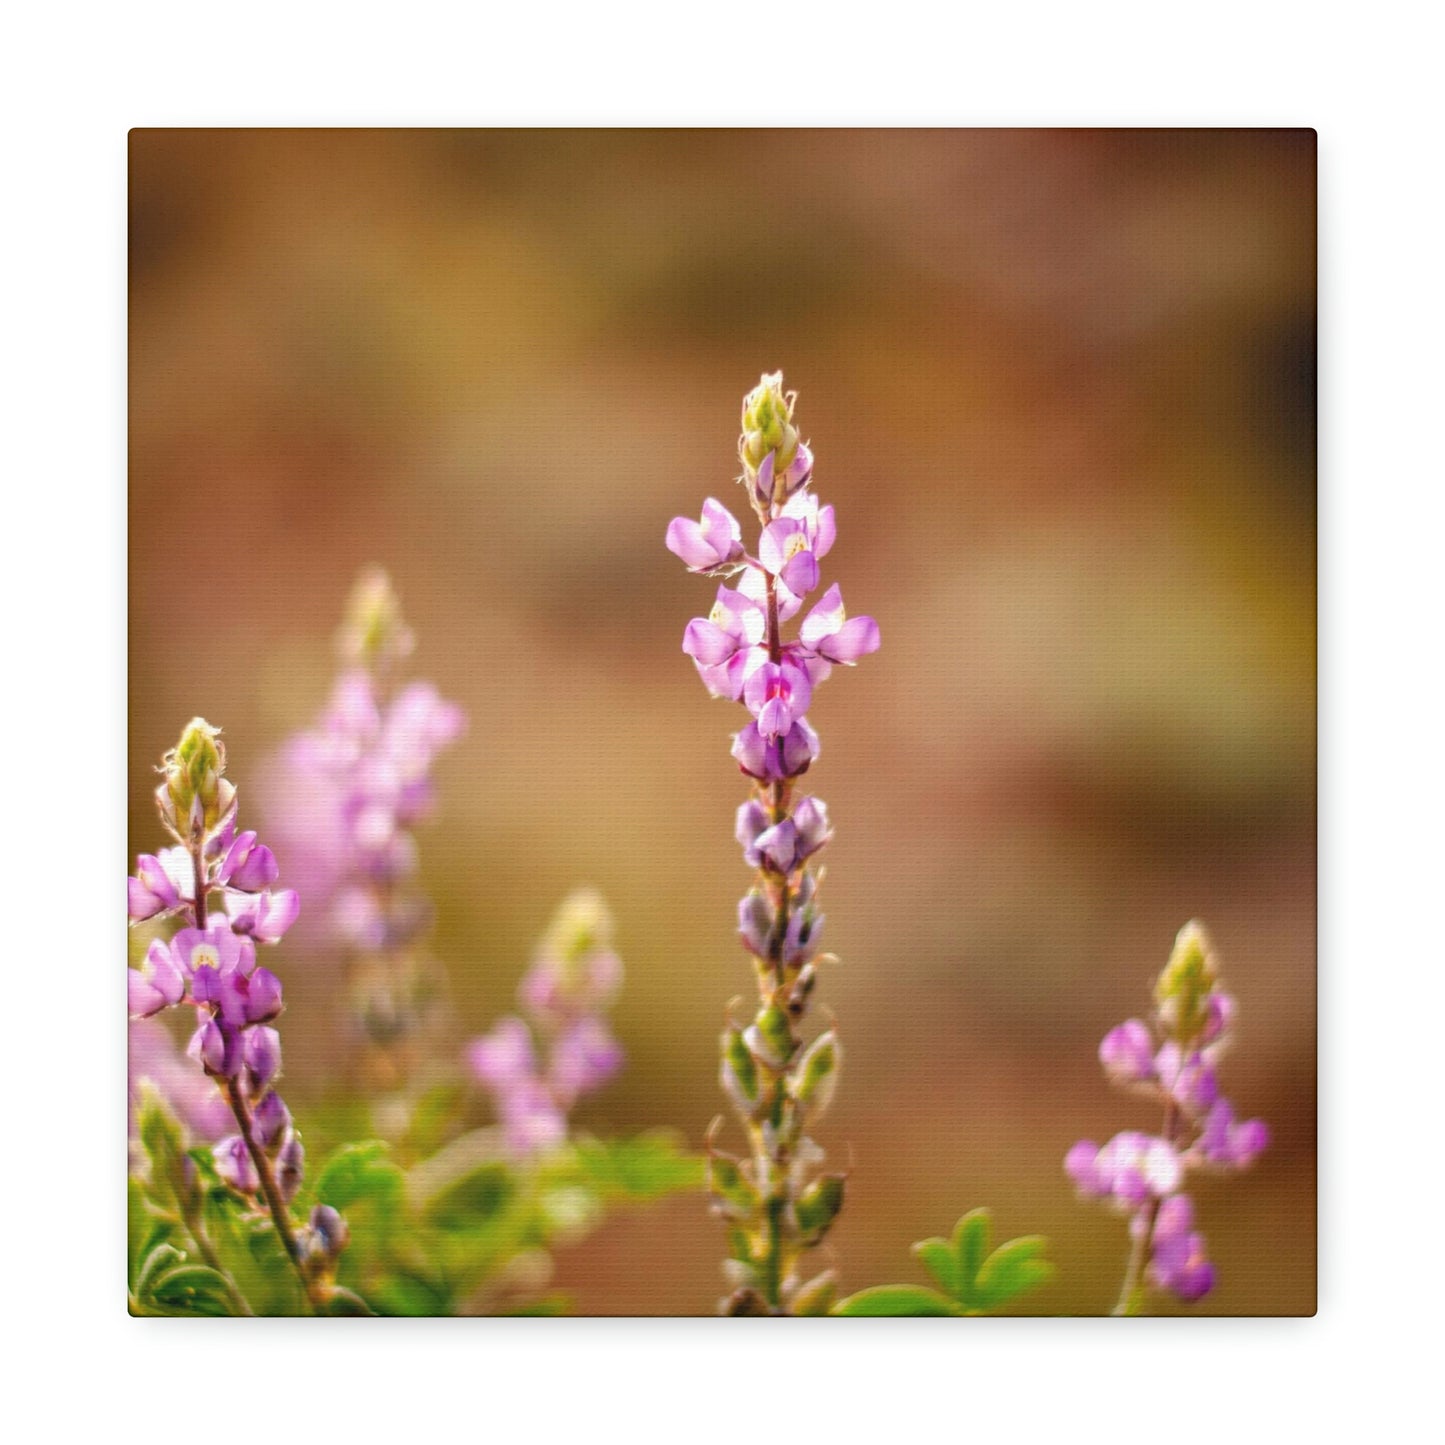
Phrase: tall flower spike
(345, 798)
(209, 965)
(1172, 1059)
(777, 1203)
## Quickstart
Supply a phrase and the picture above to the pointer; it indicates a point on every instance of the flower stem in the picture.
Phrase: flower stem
(198, 873)
(772, 1155)
(280, 1215)
(1131, 1294)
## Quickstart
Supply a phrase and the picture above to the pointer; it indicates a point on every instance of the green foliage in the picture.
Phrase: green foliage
(894, 1299)
(647, 1167)
(973, 1280)
(465, 1229)
(471, 1229)
(361, 1179)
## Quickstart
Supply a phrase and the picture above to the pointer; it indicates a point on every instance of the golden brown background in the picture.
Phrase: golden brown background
(1061, 389)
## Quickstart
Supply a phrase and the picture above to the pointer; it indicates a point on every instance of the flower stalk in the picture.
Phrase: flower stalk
(346, 797)
(777, 1202)
(209, 964)
(1172, 1059)
(537, 1068)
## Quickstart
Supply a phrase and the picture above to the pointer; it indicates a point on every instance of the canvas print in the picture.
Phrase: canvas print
(721, 722)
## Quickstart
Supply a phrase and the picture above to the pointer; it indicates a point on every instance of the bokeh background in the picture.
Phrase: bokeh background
(1060, 385)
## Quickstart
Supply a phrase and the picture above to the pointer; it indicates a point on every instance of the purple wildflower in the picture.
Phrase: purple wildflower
(775, 760)
(1142, 1174)
(535, 1073)
(345, 797)
(1127, 1053)
(157, 984)
(1130, 1169)
(710, 545)
(233, 1163)
(1177, 1260)
(741, 655)
(210, 965)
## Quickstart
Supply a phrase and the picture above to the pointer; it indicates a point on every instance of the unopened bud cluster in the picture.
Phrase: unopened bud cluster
(1172, 1059)
(777, 1201)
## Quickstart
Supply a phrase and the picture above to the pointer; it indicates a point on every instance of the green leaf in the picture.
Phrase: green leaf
(147, 1230)
(193, 1289)
(887, 1300)
(159, 1130)
(545, 1306)
(347, 1302)
(970, 1244)
(648, 1166)
(432, 1119)
(941, 1261)
(408, 1295)
(471, 1198)
(1011, 1269)
(975, 1280)
(362, 1174)
(162, 1257)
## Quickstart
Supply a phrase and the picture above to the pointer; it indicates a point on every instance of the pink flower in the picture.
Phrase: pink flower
(156, 984)
(1230, 1144)
(1177, 1260)
(786, 551)
(1127, 1053)
(161, 883)
(233, 1163)
(724, 644)
(710, 545)
(772, 758)
(777, 694)
(248, 866)
(504, 1056)
(265, 916)
(1131, 1168)
(828, 631)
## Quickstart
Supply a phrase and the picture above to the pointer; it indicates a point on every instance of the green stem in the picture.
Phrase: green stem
(1131, 1293)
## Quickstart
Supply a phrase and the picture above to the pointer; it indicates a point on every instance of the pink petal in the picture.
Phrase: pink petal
(708, 643)
(857, 637)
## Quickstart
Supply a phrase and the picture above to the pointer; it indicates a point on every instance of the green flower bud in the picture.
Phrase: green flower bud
(740, 1268)
(195, 798)
(817, 1206)
(816, 1296)
(374, 632)
(739, 1073)
(732, 1191)
(1183, 989)
(770, 1037)
(580, 926)
(815, 1079)
(768, 425)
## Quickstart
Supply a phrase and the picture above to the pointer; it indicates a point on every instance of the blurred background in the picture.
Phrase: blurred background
(1061, 388)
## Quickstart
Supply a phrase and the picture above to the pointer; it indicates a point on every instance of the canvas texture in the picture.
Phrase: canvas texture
(722, 723)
